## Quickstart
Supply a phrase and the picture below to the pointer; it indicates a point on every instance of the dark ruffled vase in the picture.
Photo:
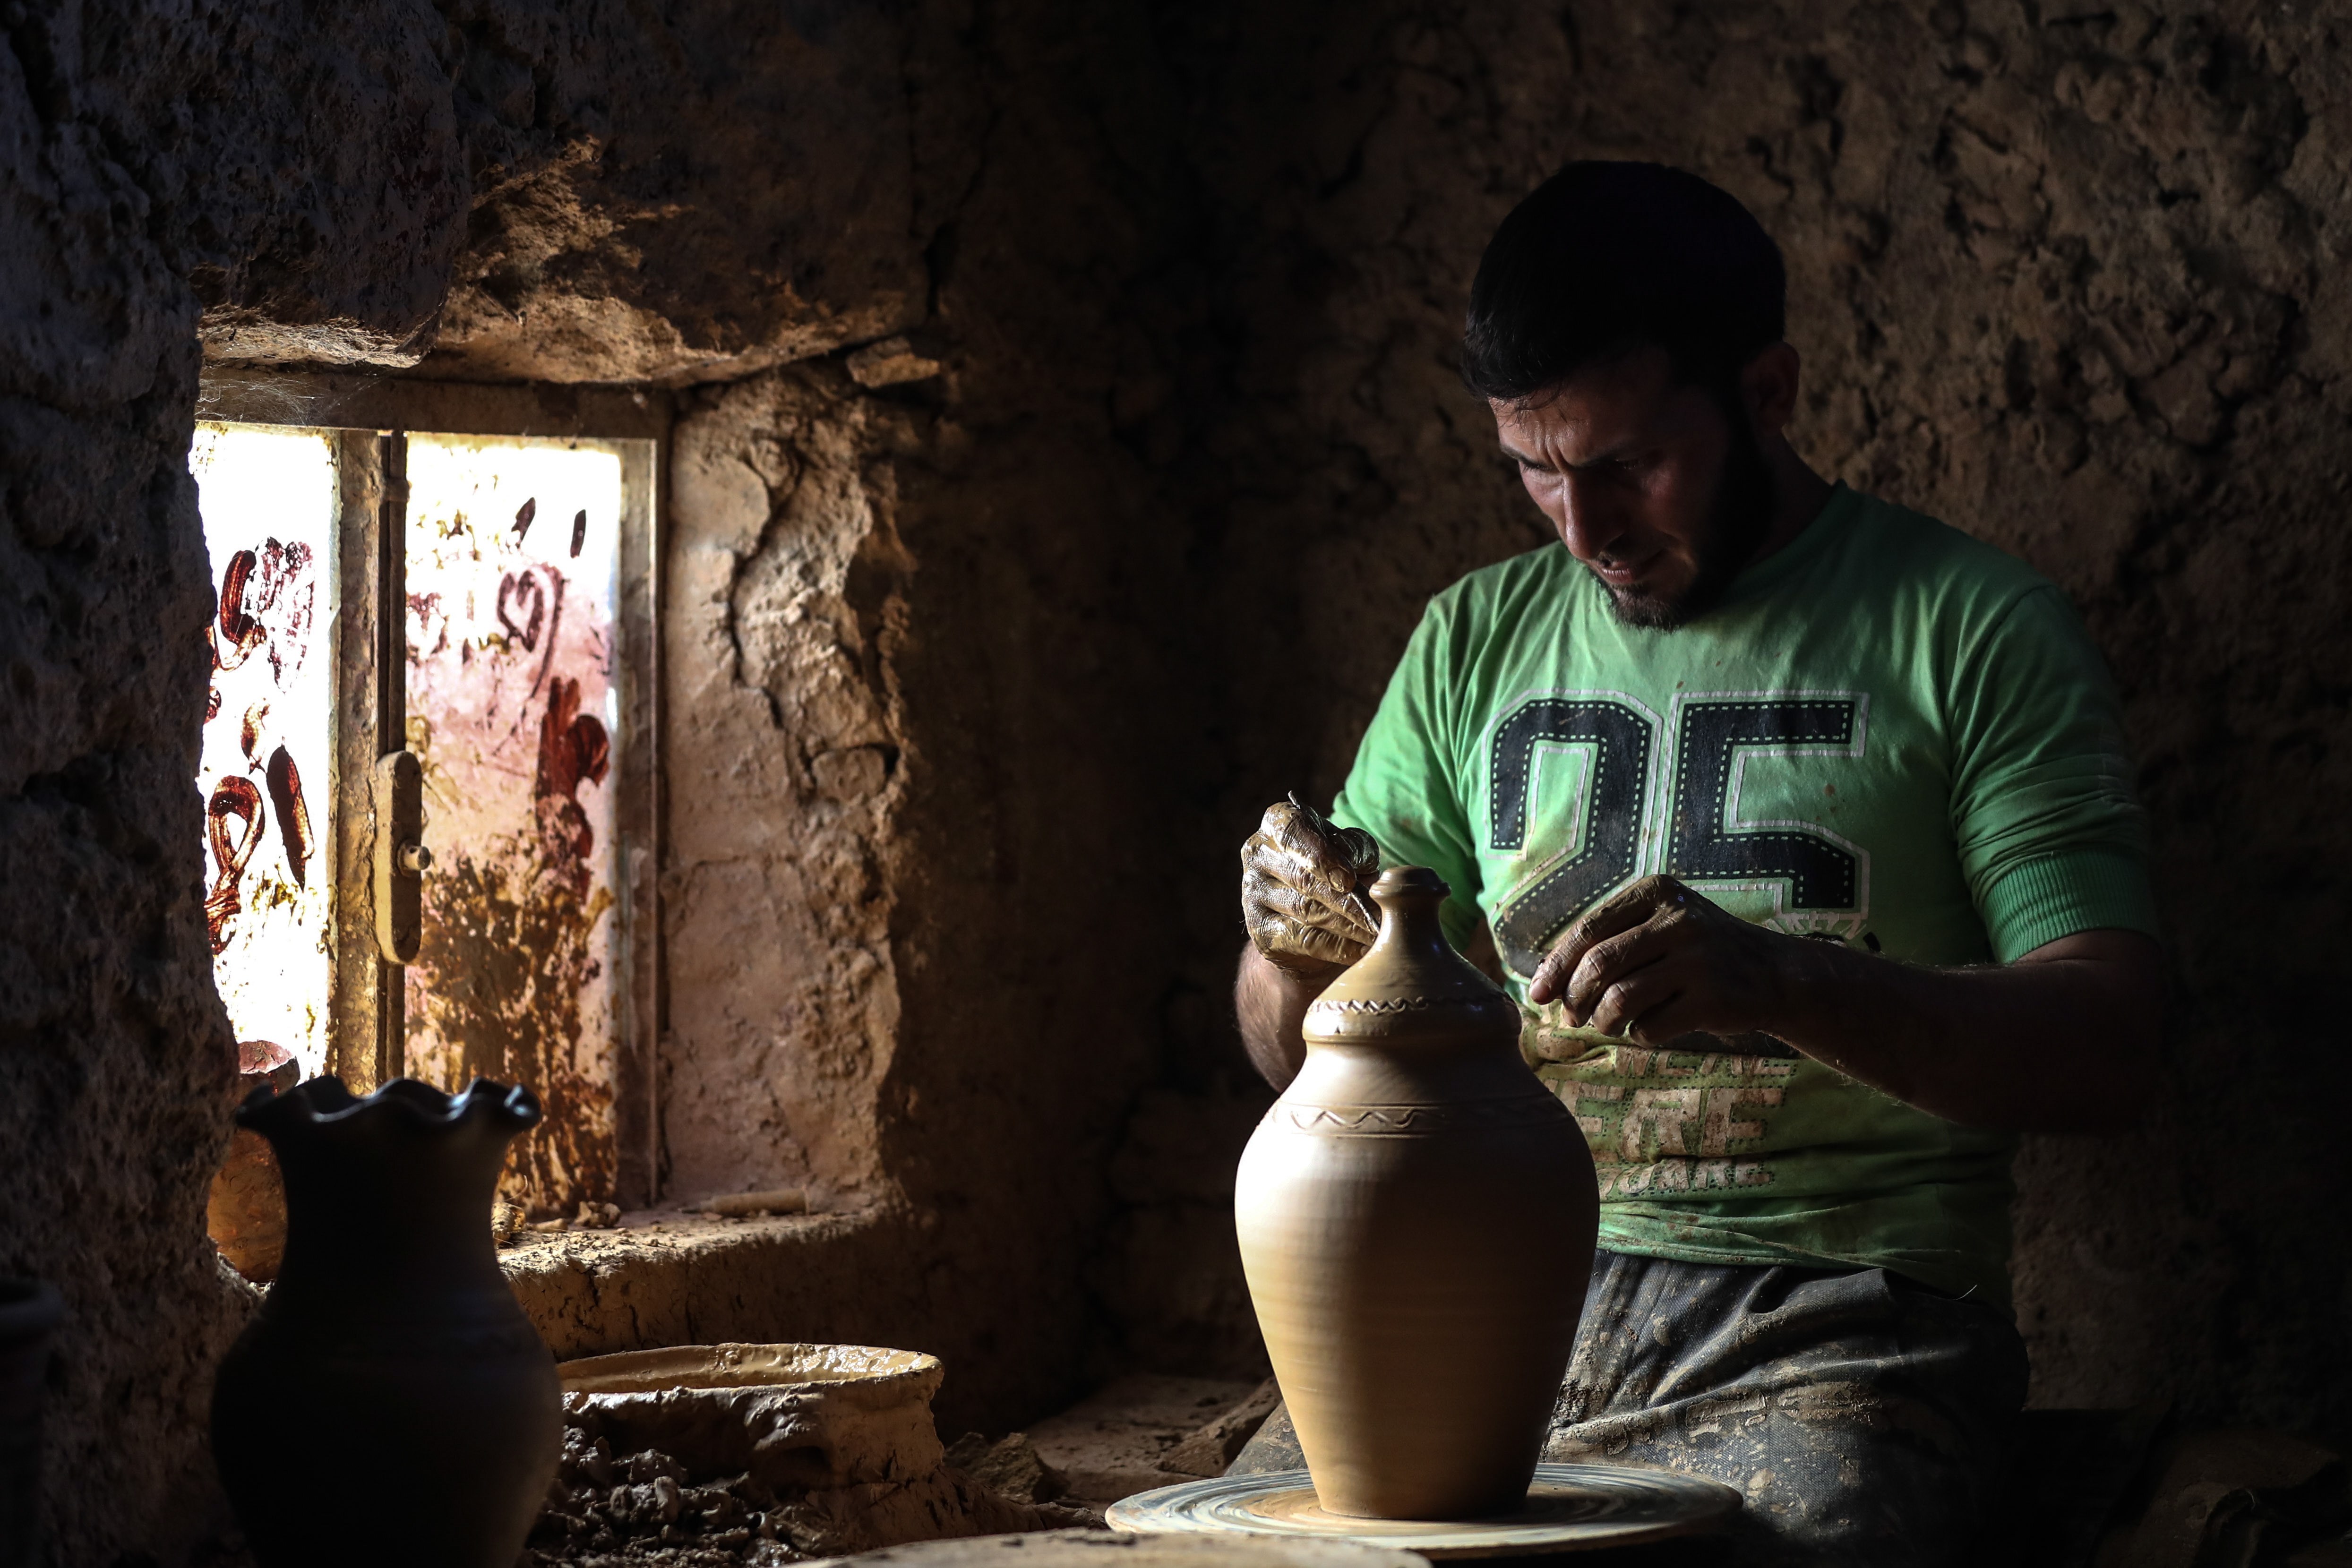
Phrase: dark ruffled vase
(390, 1403)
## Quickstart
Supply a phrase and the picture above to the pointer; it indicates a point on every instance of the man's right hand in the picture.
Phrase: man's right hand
(1302, 891)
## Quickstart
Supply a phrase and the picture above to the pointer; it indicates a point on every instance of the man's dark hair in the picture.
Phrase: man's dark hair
(1605, 259)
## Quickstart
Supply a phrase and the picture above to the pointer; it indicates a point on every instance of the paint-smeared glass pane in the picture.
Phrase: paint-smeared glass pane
(513, 558)
(268, 498)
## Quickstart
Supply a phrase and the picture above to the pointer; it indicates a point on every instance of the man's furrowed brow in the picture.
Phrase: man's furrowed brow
(1548, 465)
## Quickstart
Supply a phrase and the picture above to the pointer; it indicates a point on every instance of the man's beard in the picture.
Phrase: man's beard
(1740, 518)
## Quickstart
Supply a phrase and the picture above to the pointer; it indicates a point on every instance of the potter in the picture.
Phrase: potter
(1796, 825)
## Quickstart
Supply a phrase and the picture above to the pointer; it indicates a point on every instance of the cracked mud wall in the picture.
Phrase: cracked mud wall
(2064, 275)
(117, 188)
(979, 680)
(955, 621)
(116, 1064)
(691, 195)
(783, 615)
(277, 184)
(529, 189)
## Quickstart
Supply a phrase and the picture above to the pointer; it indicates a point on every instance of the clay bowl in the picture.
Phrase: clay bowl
(810, 1416)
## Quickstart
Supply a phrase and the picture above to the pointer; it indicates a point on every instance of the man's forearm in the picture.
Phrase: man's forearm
(2059, 1041)
(1271, 1004)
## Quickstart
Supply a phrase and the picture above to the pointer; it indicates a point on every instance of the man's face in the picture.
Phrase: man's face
(1652, 485)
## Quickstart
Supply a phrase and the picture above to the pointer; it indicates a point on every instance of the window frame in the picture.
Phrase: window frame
(369, 421)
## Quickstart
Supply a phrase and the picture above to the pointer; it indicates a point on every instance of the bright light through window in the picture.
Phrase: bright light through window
(511, 554)
(513, 558)
(268, 500)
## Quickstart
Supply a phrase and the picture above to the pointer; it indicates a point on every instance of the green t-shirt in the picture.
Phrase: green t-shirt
(1888, 735)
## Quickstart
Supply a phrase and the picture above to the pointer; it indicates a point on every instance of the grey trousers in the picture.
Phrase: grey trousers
(1867, 1420)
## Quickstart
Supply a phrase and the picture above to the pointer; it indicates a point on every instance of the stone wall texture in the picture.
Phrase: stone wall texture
(2061, 275)
(976, 681)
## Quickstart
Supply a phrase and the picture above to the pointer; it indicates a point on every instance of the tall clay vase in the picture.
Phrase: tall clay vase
(390, 1403)
(1416, 1217)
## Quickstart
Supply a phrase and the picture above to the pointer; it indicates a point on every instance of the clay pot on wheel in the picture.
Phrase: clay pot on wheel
(1416, 1217)
(390, 1403)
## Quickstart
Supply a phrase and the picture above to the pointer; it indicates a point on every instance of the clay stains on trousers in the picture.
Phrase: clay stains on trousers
(1866, 1418)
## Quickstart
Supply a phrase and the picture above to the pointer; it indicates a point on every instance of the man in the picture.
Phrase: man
(1800, 826)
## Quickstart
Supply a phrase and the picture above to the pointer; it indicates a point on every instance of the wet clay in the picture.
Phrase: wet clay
(790, 1415)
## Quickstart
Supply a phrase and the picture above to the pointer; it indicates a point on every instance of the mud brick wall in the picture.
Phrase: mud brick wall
(2062, 274)
(270, 182)
(981, 677)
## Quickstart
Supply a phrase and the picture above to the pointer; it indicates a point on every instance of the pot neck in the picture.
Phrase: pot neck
(388, 1198)
(1412, 991)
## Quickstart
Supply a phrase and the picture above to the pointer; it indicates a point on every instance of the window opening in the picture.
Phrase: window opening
(513, 577)
(485, 601)
(268, 501)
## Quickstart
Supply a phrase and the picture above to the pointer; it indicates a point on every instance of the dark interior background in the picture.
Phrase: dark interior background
(2062, 274)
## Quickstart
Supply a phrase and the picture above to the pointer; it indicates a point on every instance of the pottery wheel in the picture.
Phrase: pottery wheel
(1570, 1508)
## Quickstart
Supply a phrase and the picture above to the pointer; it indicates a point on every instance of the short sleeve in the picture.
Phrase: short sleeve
(2050, 839)
(1402, 790)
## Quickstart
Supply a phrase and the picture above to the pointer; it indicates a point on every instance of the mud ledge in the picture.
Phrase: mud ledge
(666, 1278)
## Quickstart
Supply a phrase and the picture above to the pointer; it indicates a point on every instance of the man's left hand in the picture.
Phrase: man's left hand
(1658, 961)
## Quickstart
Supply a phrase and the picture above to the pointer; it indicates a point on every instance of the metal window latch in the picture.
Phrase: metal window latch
(401, 856)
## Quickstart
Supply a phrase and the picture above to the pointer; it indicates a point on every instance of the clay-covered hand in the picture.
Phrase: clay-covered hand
(1658, 961)
(1302, 898)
